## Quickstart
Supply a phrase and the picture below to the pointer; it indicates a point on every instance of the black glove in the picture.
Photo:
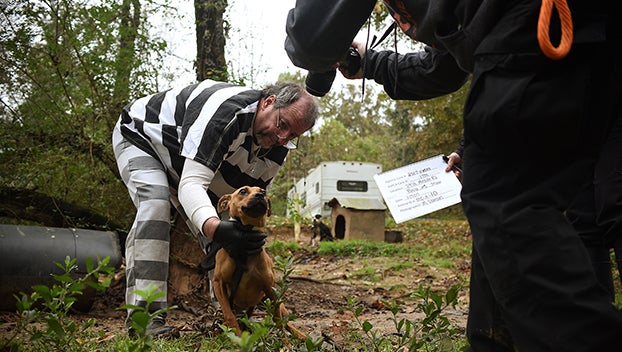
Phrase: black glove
(239, 240)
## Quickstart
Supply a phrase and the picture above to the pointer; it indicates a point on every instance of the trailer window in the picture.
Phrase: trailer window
(352, 186)
(317, 187)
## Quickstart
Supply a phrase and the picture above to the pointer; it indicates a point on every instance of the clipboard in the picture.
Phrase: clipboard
(419, 188)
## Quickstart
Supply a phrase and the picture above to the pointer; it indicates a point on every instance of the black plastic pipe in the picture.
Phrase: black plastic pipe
(28, 255)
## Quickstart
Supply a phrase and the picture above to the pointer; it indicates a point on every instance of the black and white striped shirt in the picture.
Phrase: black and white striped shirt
(210, 123)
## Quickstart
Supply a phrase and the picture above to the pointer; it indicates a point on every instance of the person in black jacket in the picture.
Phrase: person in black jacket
(534, 128)
(596, 212)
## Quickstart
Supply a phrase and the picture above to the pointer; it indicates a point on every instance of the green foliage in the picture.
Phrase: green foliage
(68, 67)
(141, 317)
(50, 306)
(432, 333)
(293, 207)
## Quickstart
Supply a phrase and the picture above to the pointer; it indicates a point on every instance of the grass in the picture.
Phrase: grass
(282, 249)
(361, 248)
(437, 243)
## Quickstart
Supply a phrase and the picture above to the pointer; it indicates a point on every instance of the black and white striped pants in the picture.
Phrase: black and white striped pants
(147, 244)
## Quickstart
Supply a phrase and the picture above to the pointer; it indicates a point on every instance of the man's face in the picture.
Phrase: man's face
(279, 126)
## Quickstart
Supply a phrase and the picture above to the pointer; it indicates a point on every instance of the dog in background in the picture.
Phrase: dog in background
(249, 206)
(319, 229)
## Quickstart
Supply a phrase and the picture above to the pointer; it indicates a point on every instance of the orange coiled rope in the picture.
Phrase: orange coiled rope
(544, 20)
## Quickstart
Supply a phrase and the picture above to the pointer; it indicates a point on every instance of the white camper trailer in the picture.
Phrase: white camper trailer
(343, 180)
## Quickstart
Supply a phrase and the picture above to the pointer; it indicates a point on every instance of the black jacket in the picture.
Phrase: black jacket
(416, 76)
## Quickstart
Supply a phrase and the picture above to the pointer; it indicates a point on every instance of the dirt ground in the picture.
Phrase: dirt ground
(316, 295)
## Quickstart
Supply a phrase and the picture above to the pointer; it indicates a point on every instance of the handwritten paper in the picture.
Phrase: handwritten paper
(419, 188)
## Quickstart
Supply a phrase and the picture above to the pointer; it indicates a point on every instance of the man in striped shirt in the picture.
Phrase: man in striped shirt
(187, 147)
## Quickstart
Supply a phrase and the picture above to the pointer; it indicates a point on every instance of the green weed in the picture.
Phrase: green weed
(141, 317)
(432, 333)
(45, 323)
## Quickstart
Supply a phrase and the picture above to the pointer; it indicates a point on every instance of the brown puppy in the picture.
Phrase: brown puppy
(249, 206)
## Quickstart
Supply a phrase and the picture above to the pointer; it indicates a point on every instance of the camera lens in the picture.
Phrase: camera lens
(319, 83)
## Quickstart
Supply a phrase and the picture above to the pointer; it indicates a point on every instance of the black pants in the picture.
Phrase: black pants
(596, 213)
(533, 131)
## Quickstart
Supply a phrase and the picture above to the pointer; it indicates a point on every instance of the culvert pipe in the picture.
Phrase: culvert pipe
(28, 255)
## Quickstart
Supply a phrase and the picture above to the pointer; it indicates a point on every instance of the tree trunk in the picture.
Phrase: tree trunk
(185, 279)
(210, 61)
(126, 56)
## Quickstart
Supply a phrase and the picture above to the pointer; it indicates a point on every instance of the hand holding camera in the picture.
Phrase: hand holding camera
(352, 68)
(319, 83)
(351, 65)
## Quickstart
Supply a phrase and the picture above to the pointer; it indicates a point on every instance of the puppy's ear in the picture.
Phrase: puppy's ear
(223, 203)
(269, 211)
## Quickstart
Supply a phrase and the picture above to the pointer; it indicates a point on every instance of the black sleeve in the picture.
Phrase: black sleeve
(319, 32)
(415, 76)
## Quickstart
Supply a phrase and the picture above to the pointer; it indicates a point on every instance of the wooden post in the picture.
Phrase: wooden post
(297, 218)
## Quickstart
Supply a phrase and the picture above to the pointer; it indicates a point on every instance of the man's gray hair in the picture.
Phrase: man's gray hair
(287, 93)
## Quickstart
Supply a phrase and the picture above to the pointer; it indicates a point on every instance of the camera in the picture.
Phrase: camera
(319, 83)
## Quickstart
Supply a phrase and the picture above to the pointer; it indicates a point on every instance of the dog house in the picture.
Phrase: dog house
(357, 218)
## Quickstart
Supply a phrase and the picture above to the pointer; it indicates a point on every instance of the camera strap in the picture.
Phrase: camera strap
(390, 28)
(384, 35)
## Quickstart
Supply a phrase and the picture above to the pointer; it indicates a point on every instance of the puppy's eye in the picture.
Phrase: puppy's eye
(243, 191)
